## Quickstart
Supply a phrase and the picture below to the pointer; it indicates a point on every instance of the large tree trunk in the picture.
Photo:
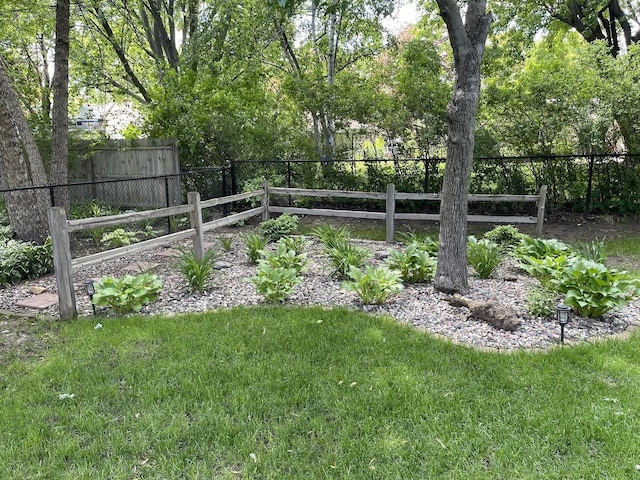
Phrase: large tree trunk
(21, 166)
(467, 40)
(58, 173)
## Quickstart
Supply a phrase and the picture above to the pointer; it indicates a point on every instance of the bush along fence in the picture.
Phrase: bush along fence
(60, 227)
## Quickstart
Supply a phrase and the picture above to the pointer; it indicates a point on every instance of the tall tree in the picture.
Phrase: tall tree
(60, 113)
(21, 166)
(467, 38)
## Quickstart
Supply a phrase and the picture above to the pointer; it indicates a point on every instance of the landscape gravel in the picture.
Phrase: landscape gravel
(418, 305)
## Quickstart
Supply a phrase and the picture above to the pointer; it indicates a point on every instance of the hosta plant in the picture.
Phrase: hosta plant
(275, 283)
(297, 244)
(374, 285)
(127, 294)
(119, 238)
(414, 263)
(483, 255)
(506, 236)
(424, 241)
(22, 260)
(546, 269)
(276, 228)
(591, 289)
(283, 257)
(197, 271)
(541, 248)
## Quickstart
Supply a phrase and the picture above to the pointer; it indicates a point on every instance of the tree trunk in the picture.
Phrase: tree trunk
(467, 40)
(58, 173)
(21, 166)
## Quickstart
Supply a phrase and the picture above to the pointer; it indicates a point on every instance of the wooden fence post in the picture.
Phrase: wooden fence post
(62, 262)
(195, 218)
(265, 201)
(390, 211)
(541, 206)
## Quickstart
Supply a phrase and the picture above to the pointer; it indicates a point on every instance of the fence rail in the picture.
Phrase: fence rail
(60, 226)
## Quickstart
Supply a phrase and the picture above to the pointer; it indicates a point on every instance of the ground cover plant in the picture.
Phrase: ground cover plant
(292, 393)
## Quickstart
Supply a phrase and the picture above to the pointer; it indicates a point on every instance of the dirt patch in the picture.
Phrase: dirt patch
(24, 338)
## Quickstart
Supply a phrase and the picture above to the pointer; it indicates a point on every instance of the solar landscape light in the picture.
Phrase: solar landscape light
(563, 314)
(90, 290)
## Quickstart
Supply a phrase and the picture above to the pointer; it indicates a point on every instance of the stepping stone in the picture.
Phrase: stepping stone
(140, 267)
(169, 252)
(42, 301)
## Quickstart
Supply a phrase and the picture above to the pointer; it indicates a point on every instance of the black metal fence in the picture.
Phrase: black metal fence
(590, 184)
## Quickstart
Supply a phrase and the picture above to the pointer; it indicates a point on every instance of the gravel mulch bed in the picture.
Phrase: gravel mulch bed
(417, 305)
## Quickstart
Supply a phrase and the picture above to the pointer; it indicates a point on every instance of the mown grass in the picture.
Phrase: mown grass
(279, 393)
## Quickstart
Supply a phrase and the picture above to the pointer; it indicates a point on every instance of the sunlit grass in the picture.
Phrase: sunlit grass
(296, 393)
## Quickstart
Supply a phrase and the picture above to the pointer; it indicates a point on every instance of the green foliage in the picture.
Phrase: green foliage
(127, 294)
(197, 272)
(255, 243)
(275, 280)
(505, 235)
(415, 264)
(225, 243)
(530, 247)
(285, 258)
(541, 302)
(594, 250)
(276, 228)
(483, 255)
(119, 238)
(297, 244)
(591, 289)
(423, 240)
(546, 269)
(22, 260)
(331, 236)
(6, 232)
(373, 285)
(345, 255)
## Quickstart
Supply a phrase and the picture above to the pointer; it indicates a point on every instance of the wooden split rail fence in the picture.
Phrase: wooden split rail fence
(60, 227)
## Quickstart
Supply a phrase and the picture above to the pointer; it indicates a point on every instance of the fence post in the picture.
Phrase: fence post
(167, 202)
(390, 211)
(587, 203)
(62, 262)
(195, 218)
(265, 201)
(542, 201)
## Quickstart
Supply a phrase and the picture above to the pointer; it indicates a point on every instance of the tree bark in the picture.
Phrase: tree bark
(467, 40)
(58, 173)
(21, 166)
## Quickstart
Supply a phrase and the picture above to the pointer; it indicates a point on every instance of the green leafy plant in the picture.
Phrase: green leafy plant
(594, 250)
(127, 294)
(414, 263)
(6, 232)
(540, 248)
(119, 238)
(546, 269)
(374, 285)
(483, 255)
(197, 271)
(591, 289)
(225, 243)
(255, 243)
(275, 283)
(344, 255)
(297, 244)
(506, 236)
(423, 240)
(276, 228)
(22, 260)
(284, 257)
(330, 236)
(541, 302)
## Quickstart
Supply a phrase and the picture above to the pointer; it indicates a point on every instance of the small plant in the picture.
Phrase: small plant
(285, 258)
(506, 236)
(345, 255)
(414, 263)
(127, 294)
(483, 255)
(22, 260)
(297, 244)
(6, 232)
(197, 272)
(373, 285)
(119, 238)
(276, 228)
(541, 248)
(541, 302)
(331, 236)
(275, 284)
(594, 250)
(423, 240)
(591, 289)
(255, 243)
(225, 243)
(546, 269)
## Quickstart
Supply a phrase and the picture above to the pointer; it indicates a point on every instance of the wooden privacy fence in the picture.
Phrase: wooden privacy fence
(60, 226)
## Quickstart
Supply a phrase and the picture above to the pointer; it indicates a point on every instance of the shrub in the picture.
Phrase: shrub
(119, 238)
(275, 283)
(276, 228)
(414, 263)
(127, 294)
(483, 255)
(197, 272)
(344, 255)
(373, 285)
(506, 236)
(591, 289)
(541, 302)
(22, 260)
(255, 243)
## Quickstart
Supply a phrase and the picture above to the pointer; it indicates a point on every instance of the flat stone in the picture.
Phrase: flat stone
(36, 290)
(169, 252)
(221, 265)
(140, 267)
(42, 301)
(381, 254)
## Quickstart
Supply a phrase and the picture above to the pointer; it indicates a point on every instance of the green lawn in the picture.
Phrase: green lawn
(277, 393)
